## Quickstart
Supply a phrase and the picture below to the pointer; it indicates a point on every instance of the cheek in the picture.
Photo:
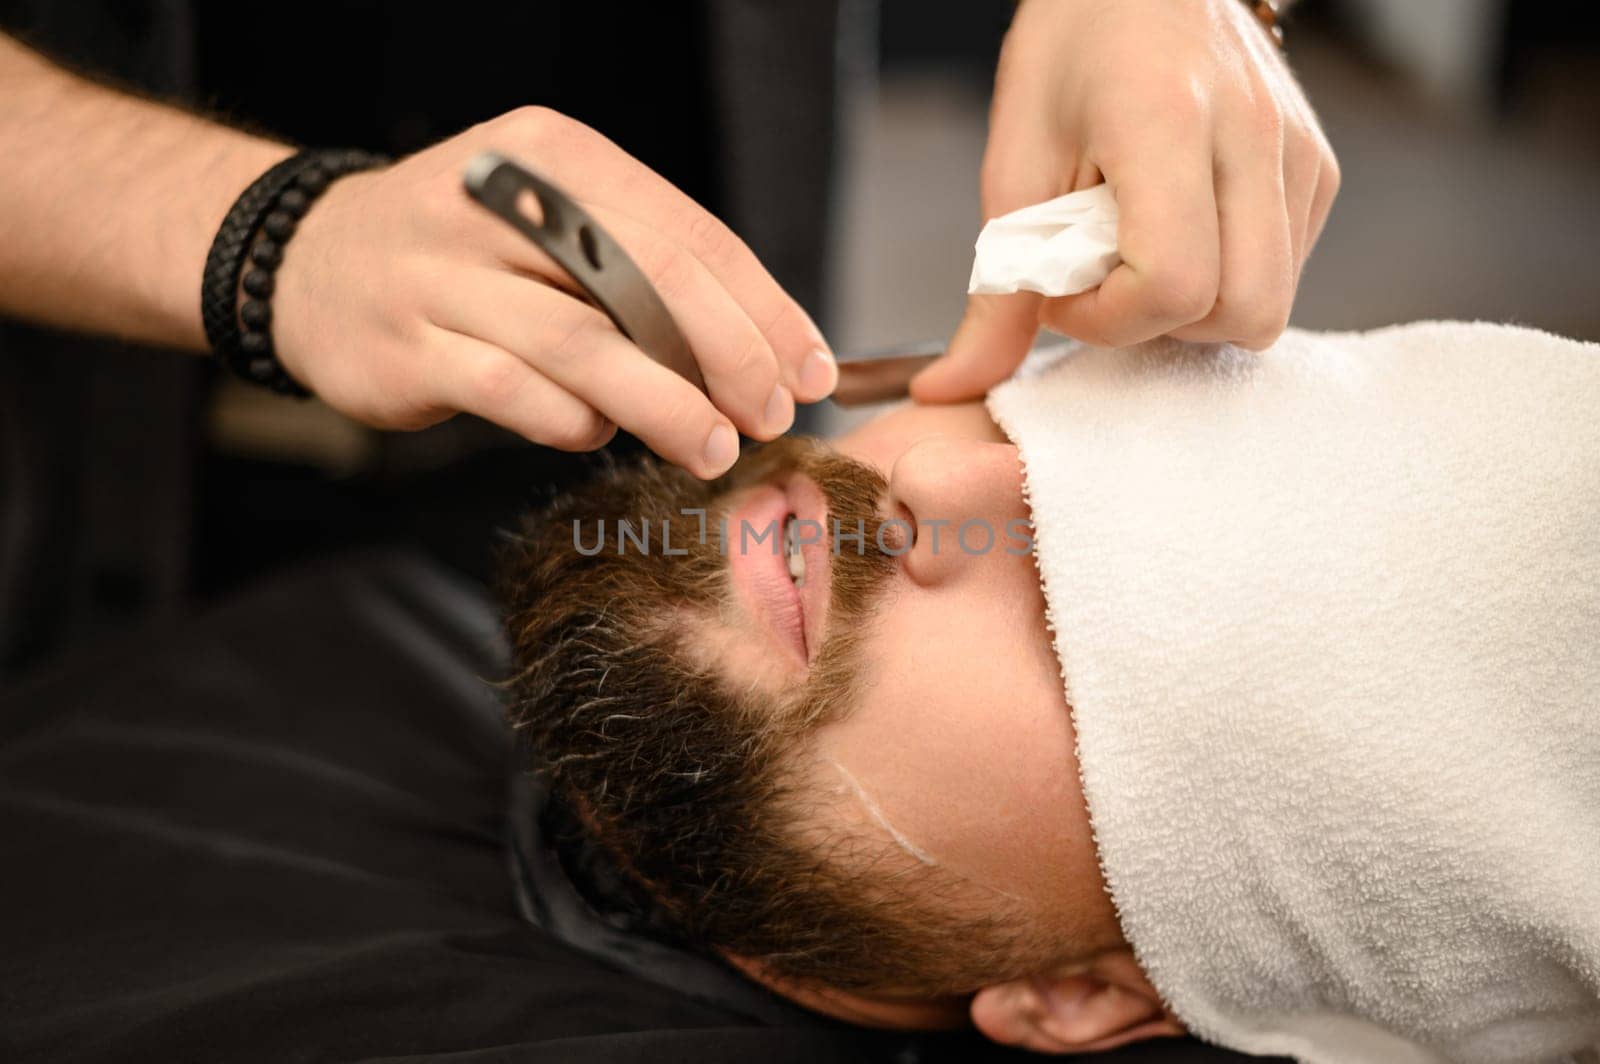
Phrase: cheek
(967, 739)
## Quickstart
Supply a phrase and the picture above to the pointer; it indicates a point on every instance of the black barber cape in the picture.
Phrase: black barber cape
(280, 835)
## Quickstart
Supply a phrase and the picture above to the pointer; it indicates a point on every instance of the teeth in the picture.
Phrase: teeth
(797, 560)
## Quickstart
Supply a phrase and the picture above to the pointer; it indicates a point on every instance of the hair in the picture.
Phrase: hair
(696, 793)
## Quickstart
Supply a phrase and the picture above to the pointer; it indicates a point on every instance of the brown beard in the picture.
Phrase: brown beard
(669, 534)
(669, 765)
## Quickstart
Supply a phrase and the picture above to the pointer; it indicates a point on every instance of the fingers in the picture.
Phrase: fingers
(1168, 236)
(992, 340)
(576, 348)
(1322, 199)
(1310, 181)
(632, 190)
(1259, 263)
(736, 359)
(804, 360)
(741, 370)
(498, 386)
(996, 331)
(1301, 161)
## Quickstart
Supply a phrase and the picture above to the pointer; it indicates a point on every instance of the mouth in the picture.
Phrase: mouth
(809, 508)
(760, 569)
(778, 556)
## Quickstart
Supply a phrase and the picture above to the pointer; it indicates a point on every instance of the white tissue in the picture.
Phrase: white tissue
(1056, 248)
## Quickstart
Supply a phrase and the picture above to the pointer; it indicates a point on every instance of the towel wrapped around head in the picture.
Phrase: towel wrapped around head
(1329, 621)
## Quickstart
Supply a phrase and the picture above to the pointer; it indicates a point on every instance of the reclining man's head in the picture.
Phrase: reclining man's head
(821, 728)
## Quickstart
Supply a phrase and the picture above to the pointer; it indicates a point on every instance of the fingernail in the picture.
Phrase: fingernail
(779, 414)
(818, 374)
(722, 447)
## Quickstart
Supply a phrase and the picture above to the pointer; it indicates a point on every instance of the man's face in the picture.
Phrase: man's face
(957, 746)
(846, 766)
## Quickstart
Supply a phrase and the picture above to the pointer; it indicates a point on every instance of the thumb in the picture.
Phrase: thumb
(992, 340)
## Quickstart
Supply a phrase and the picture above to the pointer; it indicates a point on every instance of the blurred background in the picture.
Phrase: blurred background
(842, 140)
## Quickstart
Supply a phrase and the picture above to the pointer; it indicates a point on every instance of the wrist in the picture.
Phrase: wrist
(239, 280)
(229, 169)
(296, 329)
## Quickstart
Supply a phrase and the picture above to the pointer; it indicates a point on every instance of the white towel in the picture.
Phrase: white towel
(1329, 621)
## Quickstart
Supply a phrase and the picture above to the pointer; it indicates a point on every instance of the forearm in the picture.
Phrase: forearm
(108, 203)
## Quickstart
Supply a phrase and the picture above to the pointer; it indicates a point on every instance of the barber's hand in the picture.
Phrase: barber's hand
(400, 301)
(1222, 177)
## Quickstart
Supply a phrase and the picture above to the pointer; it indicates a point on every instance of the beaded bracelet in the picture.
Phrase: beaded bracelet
(247, 252)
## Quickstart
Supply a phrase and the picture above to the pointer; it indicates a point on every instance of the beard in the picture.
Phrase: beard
(660, 538)
(642, 552)
(683, 781)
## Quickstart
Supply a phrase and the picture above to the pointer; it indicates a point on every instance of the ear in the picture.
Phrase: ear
(1100, 1004)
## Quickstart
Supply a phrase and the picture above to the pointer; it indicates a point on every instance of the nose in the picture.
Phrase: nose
(963, 502)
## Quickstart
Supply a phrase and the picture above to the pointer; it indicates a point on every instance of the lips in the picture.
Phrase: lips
(796, 615)
(760, 572)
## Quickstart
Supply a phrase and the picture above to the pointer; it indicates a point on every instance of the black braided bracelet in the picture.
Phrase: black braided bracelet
(263, 218)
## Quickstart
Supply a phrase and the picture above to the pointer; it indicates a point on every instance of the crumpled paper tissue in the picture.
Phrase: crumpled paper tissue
(1056, 248)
